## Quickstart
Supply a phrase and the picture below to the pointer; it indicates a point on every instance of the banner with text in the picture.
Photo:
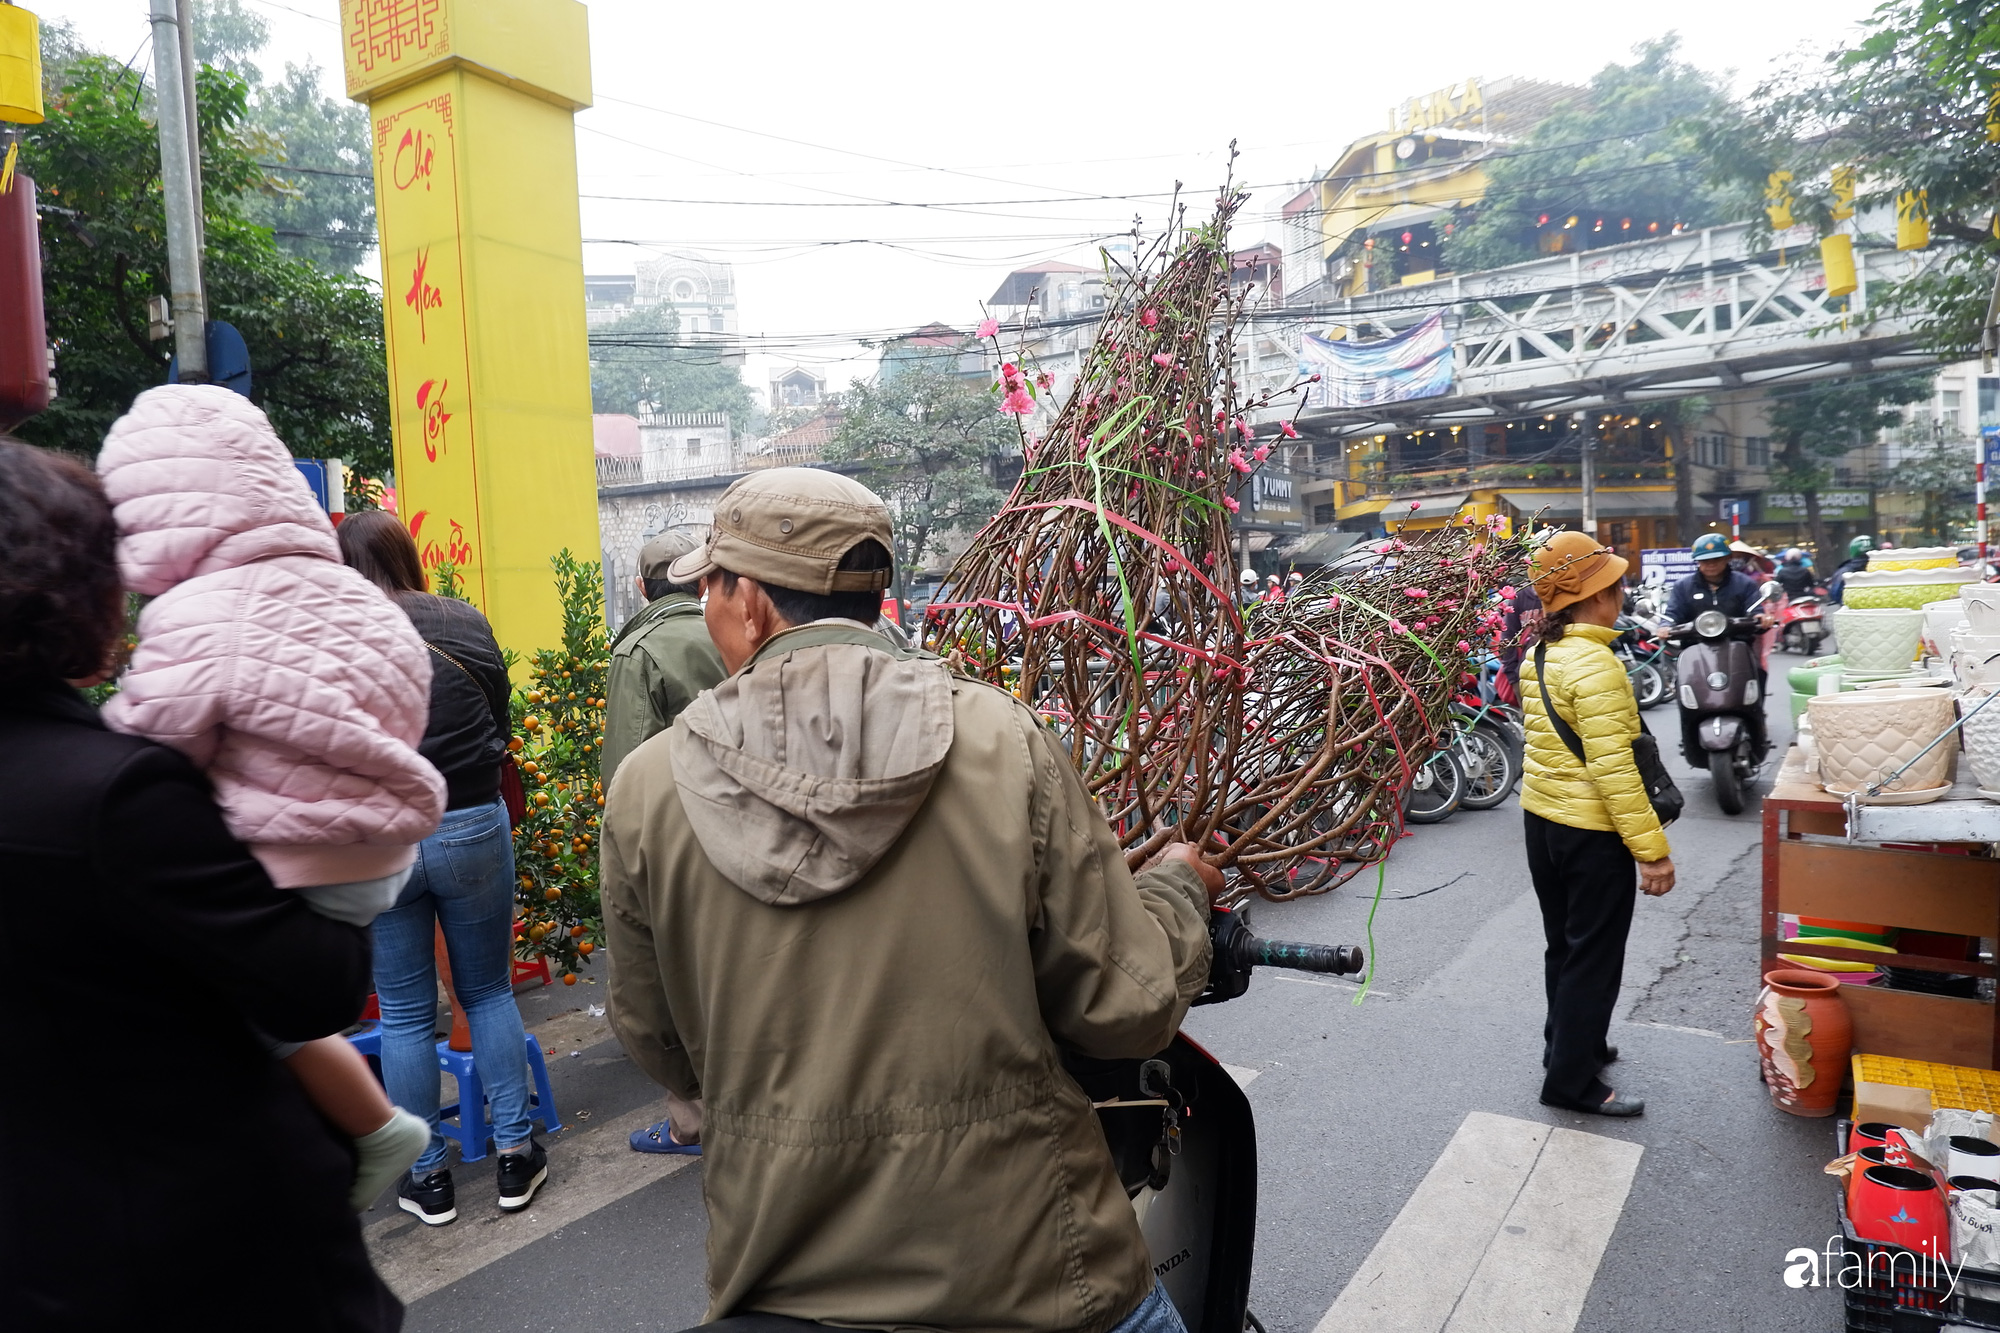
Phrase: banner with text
(1416, 363)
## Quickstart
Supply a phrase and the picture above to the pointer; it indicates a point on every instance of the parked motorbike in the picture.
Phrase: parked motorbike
(1648, 657)
(1722, 707)
(1802, 624)
(1184, 1142)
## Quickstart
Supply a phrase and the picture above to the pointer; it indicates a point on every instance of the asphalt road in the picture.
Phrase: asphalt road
(1356, 1104)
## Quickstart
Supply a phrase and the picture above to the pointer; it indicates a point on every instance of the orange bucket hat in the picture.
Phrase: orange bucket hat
(1571, 566)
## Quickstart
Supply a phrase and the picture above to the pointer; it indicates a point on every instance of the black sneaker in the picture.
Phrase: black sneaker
(521, 1174)
(432, 1199)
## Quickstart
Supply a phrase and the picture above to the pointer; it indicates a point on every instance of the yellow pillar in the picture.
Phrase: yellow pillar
(471, 104)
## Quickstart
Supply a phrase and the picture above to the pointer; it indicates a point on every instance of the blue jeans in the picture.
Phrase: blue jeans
(1155, 1314)
(464, 880)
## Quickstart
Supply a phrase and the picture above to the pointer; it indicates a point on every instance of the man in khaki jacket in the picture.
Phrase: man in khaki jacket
(857, 904)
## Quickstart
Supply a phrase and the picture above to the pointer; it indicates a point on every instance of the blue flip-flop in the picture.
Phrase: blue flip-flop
(655, 1138)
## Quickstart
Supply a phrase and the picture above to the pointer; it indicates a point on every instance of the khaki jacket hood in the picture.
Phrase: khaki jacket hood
(800, 771)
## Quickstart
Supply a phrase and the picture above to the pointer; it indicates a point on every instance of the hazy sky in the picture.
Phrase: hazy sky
(808, 117)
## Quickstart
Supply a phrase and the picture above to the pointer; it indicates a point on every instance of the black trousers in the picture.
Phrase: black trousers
(1587, 883)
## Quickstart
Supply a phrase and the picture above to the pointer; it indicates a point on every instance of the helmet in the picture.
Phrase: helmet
(1273, 580)
(1248, 578)
(1860, 546)
(1295, 577)
(1793, 555)
(1709, 546)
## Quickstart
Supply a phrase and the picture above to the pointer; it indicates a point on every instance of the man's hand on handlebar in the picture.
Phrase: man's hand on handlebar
(1656, 877)
(1211, 878)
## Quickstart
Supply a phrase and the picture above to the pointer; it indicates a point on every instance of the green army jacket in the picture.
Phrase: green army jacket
(661, 659)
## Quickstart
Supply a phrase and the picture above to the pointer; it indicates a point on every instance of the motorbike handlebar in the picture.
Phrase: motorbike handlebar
(1237, 953)
(1334, 959)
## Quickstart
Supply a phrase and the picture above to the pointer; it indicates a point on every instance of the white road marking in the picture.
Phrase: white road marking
(1673, 1027)
(586, 1172)
(1504, 1234)
(1241, 1073)
(1537, 1272)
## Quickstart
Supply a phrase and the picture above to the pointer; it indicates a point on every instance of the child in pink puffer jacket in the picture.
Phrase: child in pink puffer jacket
(292, 681)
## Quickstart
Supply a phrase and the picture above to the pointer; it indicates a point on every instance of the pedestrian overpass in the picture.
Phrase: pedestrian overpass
(1699, 312)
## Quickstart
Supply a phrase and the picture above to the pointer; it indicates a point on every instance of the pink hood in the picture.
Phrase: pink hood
(296, 683)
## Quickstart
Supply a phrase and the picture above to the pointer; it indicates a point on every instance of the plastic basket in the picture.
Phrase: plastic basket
(1949, 1085)
(1897, 1299)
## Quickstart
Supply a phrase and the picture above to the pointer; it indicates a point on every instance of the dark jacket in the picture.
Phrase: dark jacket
(1796, 580)
(467, 735)
(159, 942)
(1734, 597)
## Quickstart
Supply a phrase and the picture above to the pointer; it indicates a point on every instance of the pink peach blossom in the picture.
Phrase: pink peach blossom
(1230, 503)
(1261, 452)
(1163, 359)
(1239, 462)
(1149, 317)
(988, 328)
(1018, 403)
(1286, 427)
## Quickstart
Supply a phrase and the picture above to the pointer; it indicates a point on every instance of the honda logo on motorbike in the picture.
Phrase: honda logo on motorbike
(1718, 679)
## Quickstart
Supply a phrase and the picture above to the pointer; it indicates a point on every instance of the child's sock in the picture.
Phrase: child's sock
(383, 1156)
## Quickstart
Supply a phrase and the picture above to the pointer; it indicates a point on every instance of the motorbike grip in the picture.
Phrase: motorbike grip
(1337, 959)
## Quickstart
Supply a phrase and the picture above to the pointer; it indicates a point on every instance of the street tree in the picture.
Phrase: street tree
(1814, 425)
(1623, 151)
(315, 337)
(1937, 470)
(317, 193)
(1910, 108)
(926, 441)
(640, 364)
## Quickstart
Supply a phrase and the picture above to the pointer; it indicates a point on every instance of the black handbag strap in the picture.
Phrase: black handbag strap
(1563, 730)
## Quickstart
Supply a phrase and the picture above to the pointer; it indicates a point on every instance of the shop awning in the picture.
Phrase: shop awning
(1424, 508)
(1312, 548)
(1610, 504)
(1359, 509)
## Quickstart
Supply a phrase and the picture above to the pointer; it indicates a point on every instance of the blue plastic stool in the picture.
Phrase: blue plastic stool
(472, 1146)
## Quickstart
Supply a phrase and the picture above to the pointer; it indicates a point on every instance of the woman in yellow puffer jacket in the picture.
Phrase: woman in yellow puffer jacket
(1588, 821)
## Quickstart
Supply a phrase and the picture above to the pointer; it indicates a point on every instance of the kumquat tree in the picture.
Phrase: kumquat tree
(558, 738)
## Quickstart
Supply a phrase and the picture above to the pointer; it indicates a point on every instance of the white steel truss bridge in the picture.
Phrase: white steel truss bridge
(1700, 312)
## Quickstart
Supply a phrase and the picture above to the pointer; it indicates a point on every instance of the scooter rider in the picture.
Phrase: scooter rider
(1714, 586)
(1857, 559)
(858, 905)
(1795, 574)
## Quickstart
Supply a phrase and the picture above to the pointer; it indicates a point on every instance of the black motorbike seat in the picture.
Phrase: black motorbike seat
(760, 1323)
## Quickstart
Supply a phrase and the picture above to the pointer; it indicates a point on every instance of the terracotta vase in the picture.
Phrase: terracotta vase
(1803, 1037)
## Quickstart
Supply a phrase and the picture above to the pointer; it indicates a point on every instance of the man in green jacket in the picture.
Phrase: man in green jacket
(858, 906)
(661, 659)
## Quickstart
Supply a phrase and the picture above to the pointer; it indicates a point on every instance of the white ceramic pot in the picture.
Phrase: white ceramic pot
(1975, 658)
(1913, 557)
(1904, 587)
(1883, 640)
(1982, 735)
(1940, 619)
(1866, 735)
(1982, 606)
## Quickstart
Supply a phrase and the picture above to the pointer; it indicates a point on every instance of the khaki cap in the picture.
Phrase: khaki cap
(788, 528)
(663, 550)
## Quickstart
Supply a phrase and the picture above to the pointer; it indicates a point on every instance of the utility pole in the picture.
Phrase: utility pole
(174, 100)
(184, 21)
(1586, 456)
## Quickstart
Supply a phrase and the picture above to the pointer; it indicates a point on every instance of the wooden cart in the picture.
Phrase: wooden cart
(1924, 867)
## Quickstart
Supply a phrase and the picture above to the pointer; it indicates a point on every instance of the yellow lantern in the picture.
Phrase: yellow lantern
(1913, 219)
(1836, 253)
(20, 66)
(1993, 117)
(1778, 199)
(1843, 193)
